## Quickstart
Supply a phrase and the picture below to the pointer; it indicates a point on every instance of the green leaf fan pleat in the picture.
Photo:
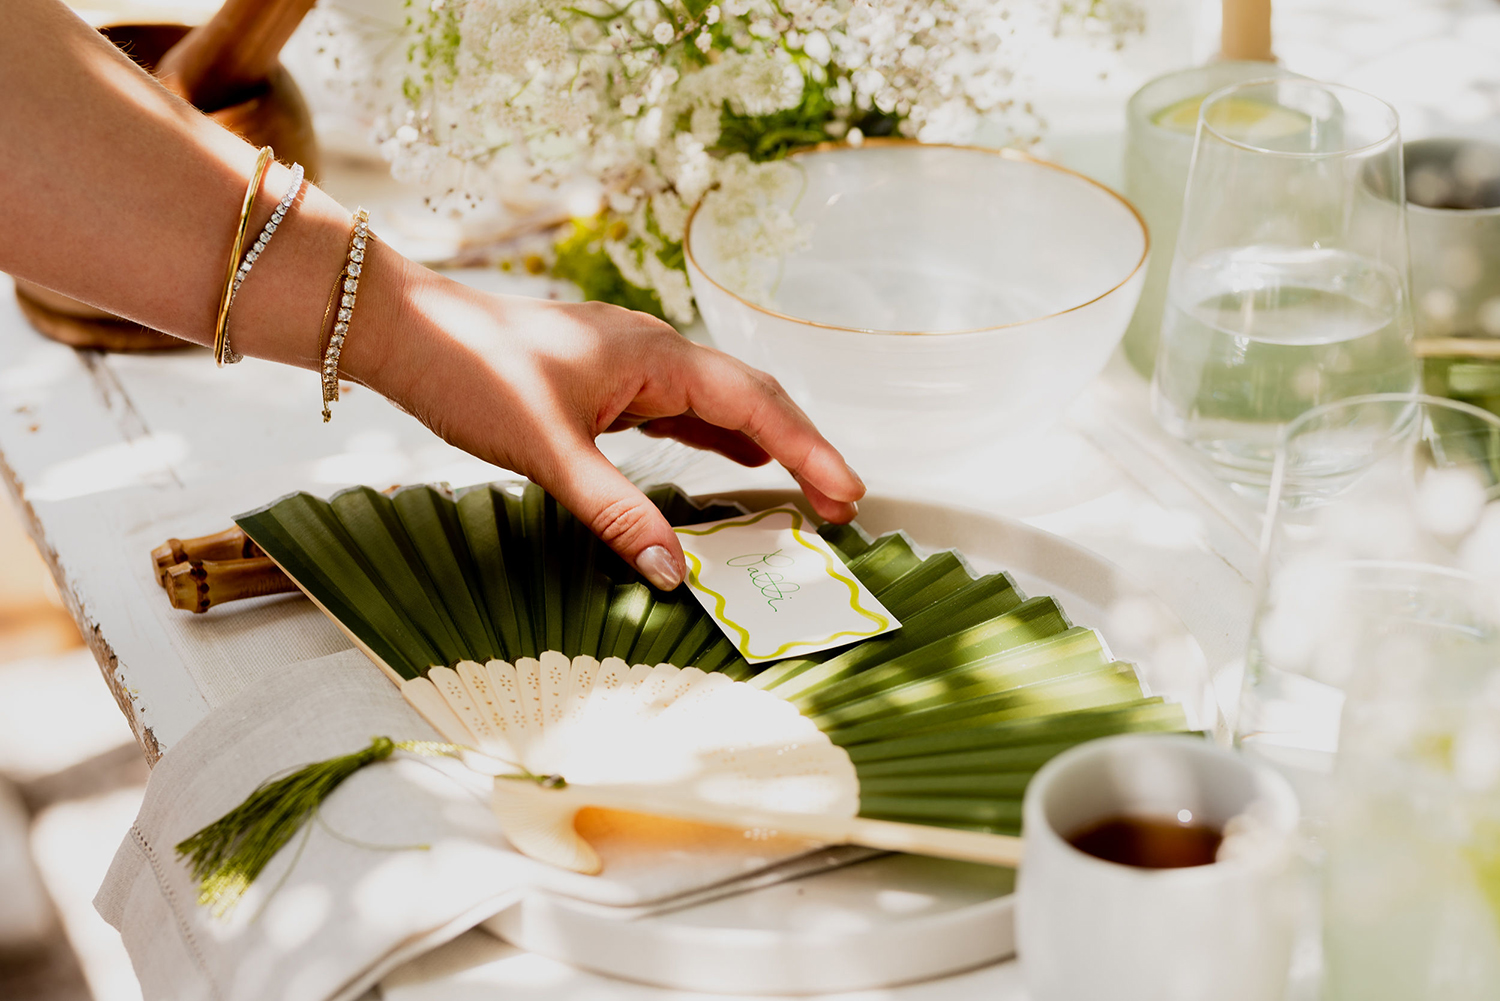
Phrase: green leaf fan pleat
(431, 522)
(371, 521)
(311, 544)
(484, 537)
(970, 605)
(944, 719)
(629, 607)
(849, 540)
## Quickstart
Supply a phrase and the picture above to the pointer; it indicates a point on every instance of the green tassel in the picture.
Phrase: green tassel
(227, 855)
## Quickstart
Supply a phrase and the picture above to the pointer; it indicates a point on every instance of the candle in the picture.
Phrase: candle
(1246, 32)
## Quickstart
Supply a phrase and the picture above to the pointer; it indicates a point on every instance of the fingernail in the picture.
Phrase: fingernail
(659, 567)
(857, 479)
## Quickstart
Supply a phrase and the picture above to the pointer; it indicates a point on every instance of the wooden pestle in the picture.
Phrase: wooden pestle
(230, 58)
(230, 544)
(196, 586)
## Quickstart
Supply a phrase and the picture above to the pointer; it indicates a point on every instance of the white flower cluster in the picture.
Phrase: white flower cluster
(659, 100)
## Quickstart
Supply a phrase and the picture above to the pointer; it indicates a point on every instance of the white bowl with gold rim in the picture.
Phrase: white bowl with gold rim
(943, 298)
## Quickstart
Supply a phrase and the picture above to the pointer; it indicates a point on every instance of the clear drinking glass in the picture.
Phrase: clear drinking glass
(1161, 120)
(1289, 285)
(1380, 552)
(1411, 842)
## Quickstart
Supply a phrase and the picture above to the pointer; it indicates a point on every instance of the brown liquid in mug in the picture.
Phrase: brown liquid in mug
(1148, 842)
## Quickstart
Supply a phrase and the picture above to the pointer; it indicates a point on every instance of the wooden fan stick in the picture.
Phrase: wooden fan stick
(917, 839)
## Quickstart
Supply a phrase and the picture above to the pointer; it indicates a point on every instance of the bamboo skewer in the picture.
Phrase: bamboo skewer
(230, 544)
(198, 585)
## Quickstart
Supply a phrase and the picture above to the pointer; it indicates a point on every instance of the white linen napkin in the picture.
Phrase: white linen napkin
(349, 899)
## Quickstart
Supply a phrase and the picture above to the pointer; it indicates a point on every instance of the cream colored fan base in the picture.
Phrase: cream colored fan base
(565, 735)
(562, 736)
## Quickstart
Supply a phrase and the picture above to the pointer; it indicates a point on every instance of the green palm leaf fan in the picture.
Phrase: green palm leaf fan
(472, 600)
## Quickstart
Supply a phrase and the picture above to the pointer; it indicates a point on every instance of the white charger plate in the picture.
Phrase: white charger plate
(895, 918)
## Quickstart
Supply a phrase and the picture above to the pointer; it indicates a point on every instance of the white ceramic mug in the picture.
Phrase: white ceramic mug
(1087, 929)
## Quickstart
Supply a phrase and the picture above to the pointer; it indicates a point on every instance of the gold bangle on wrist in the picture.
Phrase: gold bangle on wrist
(221, 325)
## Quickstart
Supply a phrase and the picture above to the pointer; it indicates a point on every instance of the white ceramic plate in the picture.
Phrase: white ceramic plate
(896, 918)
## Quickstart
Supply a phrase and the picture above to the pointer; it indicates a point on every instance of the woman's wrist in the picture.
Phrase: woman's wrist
(279, 314)
(390, 336)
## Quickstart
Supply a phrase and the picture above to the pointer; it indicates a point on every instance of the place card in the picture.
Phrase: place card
(776, 588)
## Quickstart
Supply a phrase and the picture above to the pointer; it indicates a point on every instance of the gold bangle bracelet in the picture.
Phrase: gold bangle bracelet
(221, 325)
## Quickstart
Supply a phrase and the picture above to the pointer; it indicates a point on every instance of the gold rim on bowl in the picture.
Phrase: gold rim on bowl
(1005, 154)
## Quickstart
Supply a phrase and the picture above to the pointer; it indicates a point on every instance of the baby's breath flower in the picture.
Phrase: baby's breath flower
(816, 48)
(646, 101)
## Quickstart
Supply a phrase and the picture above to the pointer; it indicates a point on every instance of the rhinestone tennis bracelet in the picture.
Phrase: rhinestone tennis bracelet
(352, 268)
(230, 356)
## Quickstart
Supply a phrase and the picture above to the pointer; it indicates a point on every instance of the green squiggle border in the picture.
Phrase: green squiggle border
(832, 566)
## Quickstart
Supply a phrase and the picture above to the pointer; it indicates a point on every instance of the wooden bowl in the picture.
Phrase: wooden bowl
(276, 116)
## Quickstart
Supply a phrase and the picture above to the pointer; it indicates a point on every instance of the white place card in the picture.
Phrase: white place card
(776, 588)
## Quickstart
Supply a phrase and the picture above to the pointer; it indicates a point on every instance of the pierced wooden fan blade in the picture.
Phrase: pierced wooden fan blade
(655, 732)
(542, 828)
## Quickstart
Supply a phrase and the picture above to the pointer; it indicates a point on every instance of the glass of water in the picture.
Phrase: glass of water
(1289, 284)
(1380, 561)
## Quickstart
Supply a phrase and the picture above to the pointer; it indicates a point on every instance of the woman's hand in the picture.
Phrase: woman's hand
(528, 384)
(126, 198)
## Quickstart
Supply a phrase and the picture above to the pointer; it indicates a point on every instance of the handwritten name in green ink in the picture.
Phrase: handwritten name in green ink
(762, 568)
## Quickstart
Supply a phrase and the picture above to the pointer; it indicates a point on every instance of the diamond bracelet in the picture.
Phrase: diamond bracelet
(243, 272)
(350, 276)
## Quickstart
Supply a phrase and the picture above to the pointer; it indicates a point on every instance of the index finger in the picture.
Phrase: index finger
(730, 394)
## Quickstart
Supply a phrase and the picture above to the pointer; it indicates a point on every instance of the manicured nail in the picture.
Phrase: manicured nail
(659, 567)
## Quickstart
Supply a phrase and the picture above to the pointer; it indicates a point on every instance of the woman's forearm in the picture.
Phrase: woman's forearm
(122, 196)
(115, 192)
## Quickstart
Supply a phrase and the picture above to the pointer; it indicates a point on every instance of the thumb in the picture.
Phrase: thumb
(600, 496)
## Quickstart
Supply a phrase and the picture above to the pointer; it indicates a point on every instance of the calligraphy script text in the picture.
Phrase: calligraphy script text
(762, 568)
